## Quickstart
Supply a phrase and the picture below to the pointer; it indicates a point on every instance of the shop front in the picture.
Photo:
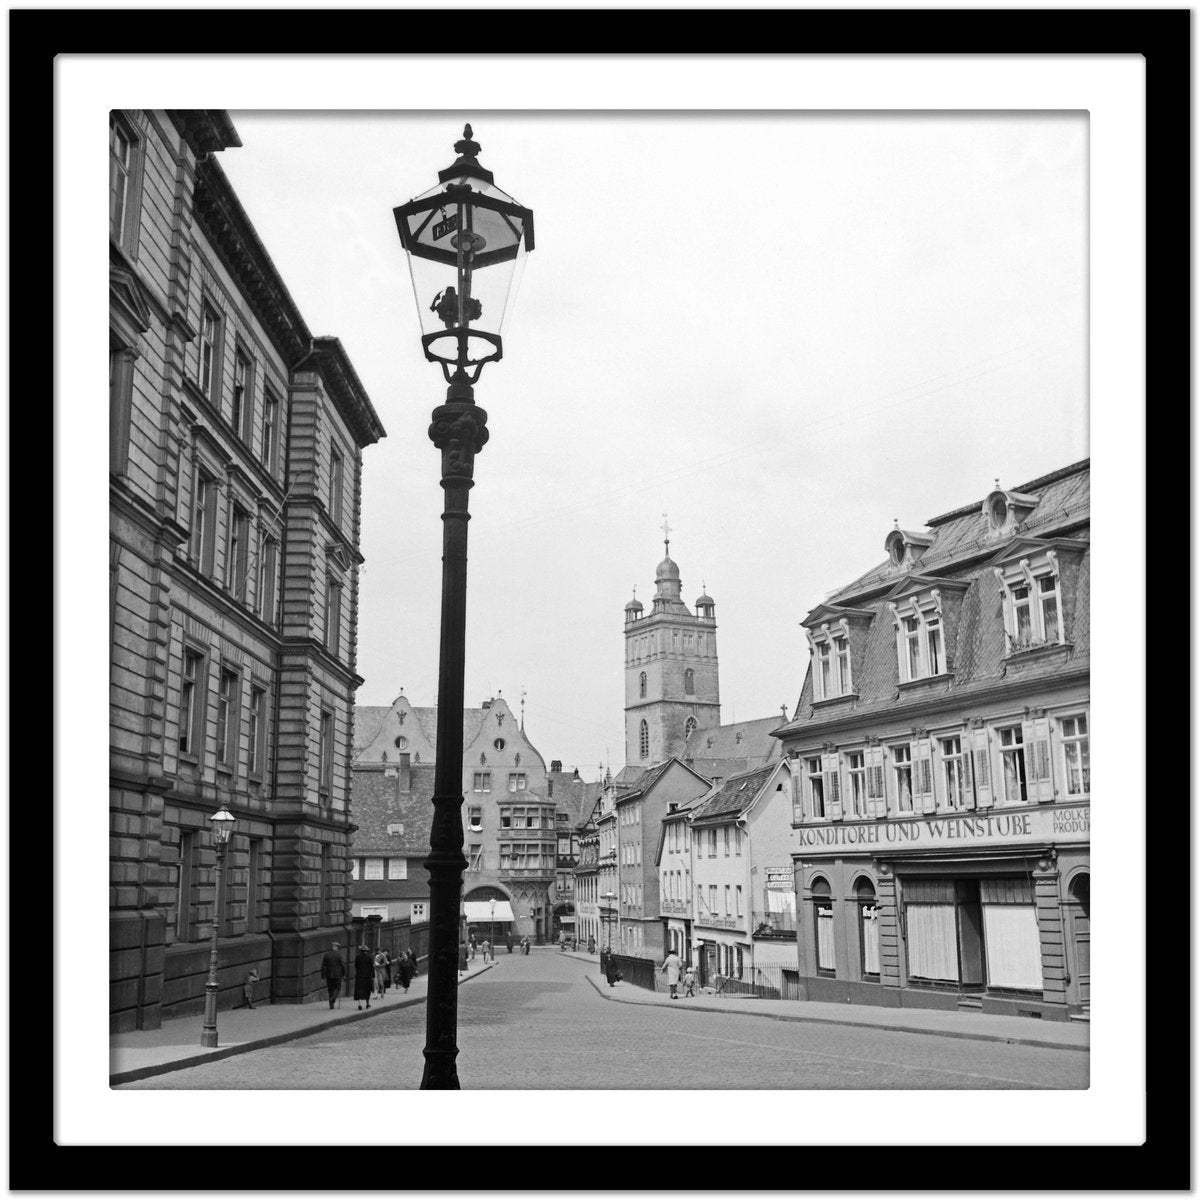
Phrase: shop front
(987, 913)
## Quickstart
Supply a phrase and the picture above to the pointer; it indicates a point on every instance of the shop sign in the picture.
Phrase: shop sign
(974, 829)
(780, 879)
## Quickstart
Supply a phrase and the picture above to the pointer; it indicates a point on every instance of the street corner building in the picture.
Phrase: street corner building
(940, 766)
(235, 456)
(520, 821)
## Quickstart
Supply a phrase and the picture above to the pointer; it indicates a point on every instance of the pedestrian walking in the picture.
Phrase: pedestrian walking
(248, 983)
(404, 972)
(562, 941)
(689, 981)
(381, 971)
(333, 971)
(487, 949)
(462, 957)
(508, 941)
(673, 967)
(412, 962)
(610, 970)
(525, 945)
(364, 976)
(472, 945)
(591, 944)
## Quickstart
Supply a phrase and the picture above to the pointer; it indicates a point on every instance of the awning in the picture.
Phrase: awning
(482, 910)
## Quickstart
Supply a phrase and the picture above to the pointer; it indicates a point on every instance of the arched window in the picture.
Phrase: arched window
(644, 740)
(689, 682)
(689, 728)
(823, 915)
(642, 685)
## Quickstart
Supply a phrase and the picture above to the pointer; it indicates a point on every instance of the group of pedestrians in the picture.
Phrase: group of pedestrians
(373, 973)
(674, 970)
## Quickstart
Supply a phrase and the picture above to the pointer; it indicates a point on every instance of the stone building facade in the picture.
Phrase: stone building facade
(236, 441)
(940, 755)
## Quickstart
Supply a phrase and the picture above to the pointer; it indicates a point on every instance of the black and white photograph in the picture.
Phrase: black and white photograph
(599, 602)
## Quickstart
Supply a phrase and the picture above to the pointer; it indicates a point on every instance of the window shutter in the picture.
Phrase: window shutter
(1038, 775)
(965, 769)
(876, 805)
(925, 801)
(981, 767)
(797, 797)
(833, 787)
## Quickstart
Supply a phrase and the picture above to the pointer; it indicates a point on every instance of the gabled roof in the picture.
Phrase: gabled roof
(390, 821)
(734, 796)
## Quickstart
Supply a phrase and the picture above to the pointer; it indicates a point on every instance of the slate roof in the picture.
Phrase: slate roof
(573, 796)
(376, 802)
(1063, 501)
(415, 887)
(733, 796)
(647, 780)
(961, 551)
(368, 719)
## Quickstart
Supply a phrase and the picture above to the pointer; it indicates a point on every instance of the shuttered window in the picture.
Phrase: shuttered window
(932, 942)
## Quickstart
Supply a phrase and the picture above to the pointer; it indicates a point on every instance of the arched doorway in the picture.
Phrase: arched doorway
(1080, 892)
(822, 900)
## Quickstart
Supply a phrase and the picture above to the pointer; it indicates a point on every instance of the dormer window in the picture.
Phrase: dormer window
(905, 548)
(1005, 510)
(1032, 595)
(830, 646)
(920, 648)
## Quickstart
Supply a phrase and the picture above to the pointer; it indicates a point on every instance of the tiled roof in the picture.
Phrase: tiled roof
(573, 796)
(376, 803)
(415, 887)
(368, 719)
(648, 779)
(733, 797)
(747, 741)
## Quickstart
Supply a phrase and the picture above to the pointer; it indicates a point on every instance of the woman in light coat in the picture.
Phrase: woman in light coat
(673, 966)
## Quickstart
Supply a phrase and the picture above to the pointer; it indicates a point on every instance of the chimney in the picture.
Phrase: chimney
(404, 784)
(556, 765)
(576, 775)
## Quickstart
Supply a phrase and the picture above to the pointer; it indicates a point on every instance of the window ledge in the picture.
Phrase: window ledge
(831, 701)
(1039, 654)
(913, 685)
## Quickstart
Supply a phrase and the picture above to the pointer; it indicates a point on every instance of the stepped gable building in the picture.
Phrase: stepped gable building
(235, 453)
(940, 753)
(509, 826)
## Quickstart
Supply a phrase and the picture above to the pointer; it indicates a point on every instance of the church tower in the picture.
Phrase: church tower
(671, 687)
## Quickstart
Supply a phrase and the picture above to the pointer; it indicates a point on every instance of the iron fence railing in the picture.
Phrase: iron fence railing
(774, 982)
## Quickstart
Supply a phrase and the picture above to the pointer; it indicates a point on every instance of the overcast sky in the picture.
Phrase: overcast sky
(782, 330)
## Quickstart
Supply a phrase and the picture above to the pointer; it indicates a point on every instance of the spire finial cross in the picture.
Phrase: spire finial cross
(666, 528)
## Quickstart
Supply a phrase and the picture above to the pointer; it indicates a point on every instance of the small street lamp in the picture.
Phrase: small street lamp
(466, 242)
(608, 914)
(493, 937)
(222, 822)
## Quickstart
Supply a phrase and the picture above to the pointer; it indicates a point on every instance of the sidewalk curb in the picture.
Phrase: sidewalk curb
(953, 1033)
(291, 1035)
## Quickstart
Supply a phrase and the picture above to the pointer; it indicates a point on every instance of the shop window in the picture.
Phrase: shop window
(823, 918)
(931, 926)
(1078, 775)
(1012, 762)
(1010, 931)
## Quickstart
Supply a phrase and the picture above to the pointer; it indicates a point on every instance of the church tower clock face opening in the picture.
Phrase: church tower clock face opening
(672, 691)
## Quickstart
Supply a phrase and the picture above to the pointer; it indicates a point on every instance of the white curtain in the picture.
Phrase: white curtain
(1014, 950)
(932, 942)
(870, 937)
(825, 938)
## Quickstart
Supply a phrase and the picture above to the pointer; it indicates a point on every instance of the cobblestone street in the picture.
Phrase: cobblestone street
(536, 1022)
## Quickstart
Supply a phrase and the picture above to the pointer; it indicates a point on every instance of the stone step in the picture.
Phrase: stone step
(970, 1002)
(1083, 1016)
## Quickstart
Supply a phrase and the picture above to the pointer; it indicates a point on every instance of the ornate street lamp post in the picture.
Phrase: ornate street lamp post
(466, 241)
(608, 914)
(492, 941)
(222, 822)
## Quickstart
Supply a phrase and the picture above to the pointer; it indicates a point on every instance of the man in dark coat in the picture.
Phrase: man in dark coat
(333, 971)
(364, 976)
